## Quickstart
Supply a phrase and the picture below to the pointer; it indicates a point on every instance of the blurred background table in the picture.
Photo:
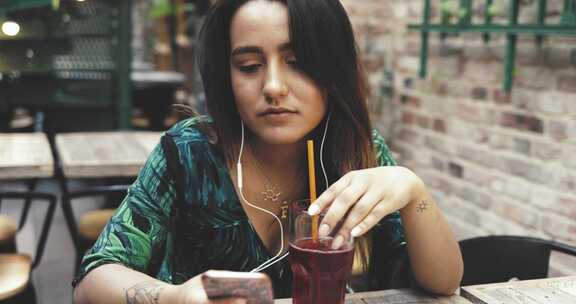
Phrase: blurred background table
(544, 291)
(25, 156)
(104, 154)
(394, 296)
(115, 158)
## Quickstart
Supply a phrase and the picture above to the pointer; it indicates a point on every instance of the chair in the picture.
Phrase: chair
(493, 259)
(85, 231)
(16, 268)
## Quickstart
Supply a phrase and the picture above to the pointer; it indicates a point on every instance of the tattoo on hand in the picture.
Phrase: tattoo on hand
(143, 293)
(421, 207)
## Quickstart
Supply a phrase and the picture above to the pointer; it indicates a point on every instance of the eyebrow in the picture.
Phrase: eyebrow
(254, 49)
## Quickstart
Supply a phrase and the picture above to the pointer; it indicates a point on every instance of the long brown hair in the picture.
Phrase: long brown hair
(323, 41)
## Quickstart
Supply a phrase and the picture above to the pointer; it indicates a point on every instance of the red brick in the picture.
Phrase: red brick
(437, 163)
(522, 146)
(567, 83)
(483, 178)
(557, 130)
(455, 170)
(479, 93)
(535, 77)
(408, 118)
(439, 125)
(439, 88)
(469, 113)
(423, 121)
(472, 195)
(408, 135)
(373, 63)
(518, 213)
(522, 122)
(408, 82)
(501, 97)
(566, 181)
(478, 156)
(566, 206)
(560, 227)
(437, 143)
(439, 183)
(533, 172)
(411, 101)
(546, 151)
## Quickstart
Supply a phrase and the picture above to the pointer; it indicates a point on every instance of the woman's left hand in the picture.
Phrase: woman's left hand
(364, 197)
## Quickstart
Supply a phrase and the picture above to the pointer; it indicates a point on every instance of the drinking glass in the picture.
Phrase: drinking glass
(320, 273)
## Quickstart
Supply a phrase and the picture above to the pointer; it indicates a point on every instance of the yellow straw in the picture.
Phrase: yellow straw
(312, 181)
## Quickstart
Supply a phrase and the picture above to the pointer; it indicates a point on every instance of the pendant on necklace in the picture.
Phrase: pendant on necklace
(284, 209)
(270, 195)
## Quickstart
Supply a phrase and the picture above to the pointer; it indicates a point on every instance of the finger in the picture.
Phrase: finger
(382, 209)
(360, 210)
(329, 195)
(340, 206)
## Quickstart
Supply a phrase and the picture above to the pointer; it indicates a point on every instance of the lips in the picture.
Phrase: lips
(272, 111)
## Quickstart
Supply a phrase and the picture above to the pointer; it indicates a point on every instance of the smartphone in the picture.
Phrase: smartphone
(254, 287)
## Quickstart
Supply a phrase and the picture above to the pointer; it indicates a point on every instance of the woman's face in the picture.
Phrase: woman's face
(277, 101)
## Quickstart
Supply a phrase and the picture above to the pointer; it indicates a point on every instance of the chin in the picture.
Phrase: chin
(281, 141)
(282, 138)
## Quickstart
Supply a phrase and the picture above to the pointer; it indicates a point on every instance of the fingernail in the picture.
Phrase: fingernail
(324, 230)
(355, 232)
(313, 209)
(337, 242)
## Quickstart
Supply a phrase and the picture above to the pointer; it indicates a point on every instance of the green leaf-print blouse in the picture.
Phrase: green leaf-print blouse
(213, 230)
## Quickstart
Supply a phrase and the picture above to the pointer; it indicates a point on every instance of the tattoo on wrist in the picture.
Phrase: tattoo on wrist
(144, 293)
(421, 206)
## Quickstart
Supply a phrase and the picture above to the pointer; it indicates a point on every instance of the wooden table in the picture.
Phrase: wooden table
(25, 156)
(546, 291)
(395, 296)
(104, 154)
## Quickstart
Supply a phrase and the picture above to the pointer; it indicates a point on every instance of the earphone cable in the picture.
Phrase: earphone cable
(278, 257)
(240, 188)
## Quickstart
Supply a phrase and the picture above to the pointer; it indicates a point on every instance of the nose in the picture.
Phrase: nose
(275, 87)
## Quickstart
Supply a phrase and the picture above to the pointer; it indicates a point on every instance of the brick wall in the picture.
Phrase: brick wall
(497, 163)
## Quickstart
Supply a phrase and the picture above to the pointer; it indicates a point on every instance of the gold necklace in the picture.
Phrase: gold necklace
(271, 192)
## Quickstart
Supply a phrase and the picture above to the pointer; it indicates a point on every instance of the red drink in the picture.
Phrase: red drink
(320, 273)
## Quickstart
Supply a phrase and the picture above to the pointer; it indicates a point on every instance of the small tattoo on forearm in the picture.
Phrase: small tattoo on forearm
(422, 206)
(143, 293)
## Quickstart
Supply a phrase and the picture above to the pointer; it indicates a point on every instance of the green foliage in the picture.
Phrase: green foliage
(161, 8)
(496, 9)
(452, 11)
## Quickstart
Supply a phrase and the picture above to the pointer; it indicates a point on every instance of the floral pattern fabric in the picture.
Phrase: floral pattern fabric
(213, 230)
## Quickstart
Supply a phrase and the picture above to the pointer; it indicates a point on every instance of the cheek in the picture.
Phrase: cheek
(245, 92)
(314, 98)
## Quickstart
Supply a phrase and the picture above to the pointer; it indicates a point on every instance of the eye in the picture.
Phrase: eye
(294, 63)
(249, 68)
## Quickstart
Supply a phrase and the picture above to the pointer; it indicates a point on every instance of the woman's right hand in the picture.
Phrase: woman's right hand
(192, 292)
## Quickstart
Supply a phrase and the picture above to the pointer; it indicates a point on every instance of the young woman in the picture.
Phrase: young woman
(275, 72)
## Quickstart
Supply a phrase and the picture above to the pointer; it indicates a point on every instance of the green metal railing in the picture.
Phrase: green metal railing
(77, 58)
(7, 6)
(464, 12)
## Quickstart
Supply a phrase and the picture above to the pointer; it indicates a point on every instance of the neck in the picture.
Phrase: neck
(280, 158)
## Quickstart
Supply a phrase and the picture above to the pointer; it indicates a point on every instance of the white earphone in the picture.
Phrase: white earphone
(278, 257)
